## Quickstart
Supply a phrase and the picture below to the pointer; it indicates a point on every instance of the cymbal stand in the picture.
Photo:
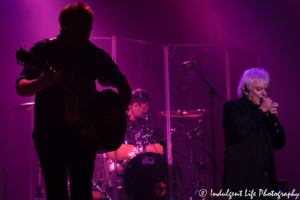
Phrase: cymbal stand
(198, 166)
(193, 134)
(196, 133)
(199, 135)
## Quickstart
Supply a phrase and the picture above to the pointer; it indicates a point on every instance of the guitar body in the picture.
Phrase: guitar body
(97, 134)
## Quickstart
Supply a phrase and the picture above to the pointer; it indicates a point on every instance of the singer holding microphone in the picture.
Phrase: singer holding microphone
(252, 130)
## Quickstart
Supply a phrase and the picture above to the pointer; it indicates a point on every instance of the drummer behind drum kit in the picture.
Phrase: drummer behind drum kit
(141, 173)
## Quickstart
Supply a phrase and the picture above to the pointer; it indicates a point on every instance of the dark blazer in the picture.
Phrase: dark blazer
(249, 140)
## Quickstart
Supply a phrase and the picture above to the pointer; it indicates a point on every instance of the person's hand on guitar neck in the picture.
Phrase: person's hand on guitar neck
(49, 77)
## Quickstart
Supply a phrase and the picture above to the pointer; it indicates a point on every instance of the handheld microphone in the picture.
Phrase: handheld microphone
(272, 116)
(262, 99)
(189, 63)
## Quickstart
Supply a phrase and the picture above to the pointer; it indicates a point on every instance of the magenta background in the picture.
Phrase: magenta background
(269, 28)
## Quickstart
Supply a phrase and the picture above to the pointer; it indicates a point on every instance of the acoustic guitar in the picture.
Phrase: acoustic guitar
(85, 107)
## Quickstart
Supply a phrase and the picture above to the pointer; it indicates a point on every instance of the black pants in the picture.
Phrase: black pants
(266, 184)
(56, 159)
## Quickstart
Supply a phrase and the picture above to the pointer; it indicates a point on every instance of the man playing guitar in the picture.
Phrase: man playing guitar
(59, 145)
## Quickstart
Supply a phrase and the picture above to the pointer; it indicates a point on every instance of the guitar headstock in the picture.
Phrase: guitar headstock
(30, 61)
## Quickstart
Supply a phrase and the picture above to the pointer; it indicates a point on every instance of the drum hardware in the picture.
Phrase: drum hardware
(211, 92)
(105, 195)
(119, 188)
(197, 133)
(196, 186)
(200, 166)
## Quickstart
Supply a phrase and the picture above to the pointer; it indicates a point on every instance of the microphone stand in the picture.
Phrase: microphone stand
(212, 92)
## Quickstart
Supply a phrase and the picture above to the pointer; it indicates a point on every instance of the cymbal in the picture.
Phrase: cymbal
(187, 114)
(25, 106)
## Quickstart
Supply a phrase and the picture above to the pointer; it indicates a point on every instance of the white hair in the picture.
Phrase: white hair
(248, 77)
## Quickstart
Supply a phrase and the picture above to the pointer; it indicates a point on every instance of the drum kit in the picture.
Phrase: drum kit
(140, 166)
(140, 163)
